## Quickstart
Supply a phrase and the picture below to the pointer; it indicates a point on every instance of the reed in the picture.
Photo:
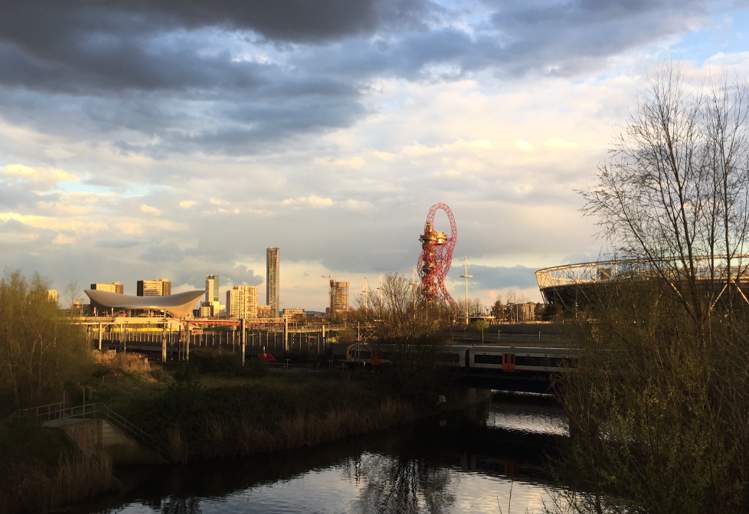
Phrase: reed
(33, 487)
(176, 445)
(244, 436)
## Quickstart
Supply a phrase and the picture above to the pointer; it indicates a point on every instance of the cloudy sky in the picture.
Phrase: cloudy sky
(165, 138)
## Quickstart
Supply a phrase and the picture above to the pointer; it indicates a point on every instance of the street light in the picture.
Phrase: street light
(466, 276)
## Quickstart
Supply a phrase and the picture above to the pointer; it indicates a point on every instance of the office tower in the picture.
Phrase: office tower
(211, 288)
(241, 302)
(273, 280)
(338, 297)
(154, 287)
(113, 287)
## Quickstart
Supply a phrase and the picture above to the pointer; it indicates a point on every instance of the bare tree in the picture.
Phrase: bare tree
(661, 419)
(405, 329)
(674, 191)
(72, 294)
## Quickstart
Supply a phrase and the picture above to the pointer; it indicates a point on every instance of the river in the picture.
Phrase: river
(483, 459)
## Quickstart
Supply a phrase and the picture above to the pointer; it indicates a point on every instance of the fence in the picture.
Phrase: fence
(256, 342)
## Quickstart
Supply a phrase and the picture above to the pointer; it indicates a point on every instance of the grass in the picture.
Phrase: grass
(209, 415)
(225, 411)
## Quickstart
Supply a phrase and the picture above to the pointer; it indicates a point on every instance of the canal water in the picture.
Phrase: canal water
(490, 458)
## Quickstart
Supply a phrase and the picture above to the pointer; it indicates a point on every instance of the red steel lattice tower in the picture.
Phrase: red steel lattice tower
(436, 256)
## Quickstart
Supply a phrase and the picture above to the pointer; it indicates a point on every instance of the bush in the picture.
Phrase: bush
(210, 360)
(40, 348)
(660, 421)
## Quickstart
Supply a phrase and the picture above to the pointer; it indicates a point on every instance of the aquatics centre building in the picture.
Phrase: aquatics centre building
(179, 305)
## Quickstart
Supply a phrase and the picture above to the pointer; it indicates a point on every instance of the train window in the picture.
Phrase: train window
(487, 359)
(543, 362)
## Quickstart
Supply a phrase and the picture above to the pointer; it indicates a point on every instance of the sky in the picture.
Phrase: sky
(177, 139)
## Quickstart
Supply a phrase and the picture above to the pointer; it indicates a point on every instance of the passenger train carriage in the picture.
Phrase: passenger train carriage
(479, 359)
(507, 358)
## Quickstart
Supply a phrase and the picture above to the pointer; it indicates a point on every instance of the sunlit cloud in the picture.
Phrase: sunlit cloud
(313, 201)
(36, 174)
(149, 209)
(62, 239)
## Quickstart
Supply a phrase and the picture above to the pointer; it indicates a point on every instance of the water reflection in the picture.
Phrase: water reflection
(530, 414)
(464, 462)
(188, 505)
(402, 485)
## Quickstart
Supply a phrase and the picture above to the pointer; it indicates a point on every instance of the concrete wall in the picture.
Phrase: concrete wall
(99, 435)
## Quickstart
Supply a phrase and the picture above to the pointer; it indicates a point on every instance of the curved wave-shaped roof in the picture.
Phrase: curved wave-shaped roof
(179, 305)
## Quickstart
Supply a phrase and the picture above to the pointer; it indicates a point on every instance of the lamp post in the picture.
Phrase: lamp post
(466, 276)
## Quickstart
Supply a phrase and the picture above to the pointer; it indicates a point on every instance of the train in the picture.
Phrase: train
(477, 359)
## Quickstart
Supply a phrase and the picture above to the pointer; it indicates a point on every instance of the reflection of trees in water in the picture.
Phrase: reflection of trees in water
(400, 485)
(181, 505)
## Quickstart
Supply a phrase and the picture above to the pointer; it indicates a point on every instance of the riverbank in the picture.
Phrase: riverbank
(457, 461)
(196, 416)
(40, 469)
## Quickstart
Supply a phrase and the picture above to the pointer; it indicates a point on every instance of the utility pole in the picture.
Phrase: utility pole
(244, 340)
(466, 276)
(285, 333)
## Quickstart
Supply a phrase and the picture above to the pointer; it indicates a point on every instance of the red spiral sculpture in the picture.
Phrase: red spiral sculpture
(436, 256)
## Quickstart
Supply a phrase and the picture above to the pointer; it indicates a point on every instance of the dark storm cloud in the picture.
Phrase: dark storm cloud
(111, 45)
(564, 35)
(161, 77)
(518, 38)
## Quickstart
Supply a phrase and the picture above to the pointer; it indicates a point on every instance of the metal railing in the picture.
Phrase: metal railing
(92, 411)
(43, 412)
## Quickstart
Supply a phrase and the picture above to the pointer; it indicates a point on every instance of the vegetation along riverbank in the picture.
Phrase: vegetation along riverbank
(212, 407)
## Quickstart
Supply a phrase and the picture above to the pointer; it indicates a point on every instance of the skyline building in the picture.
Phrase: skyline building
(112, 287)
(212, 309)
(273, 280)
(162, 287)
(338, 297)
(241, 302)
(211, 288)
(263, 311)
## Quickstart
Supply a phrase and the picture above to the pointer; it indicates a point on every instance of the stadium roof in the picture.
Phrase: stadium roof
(178, 305)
